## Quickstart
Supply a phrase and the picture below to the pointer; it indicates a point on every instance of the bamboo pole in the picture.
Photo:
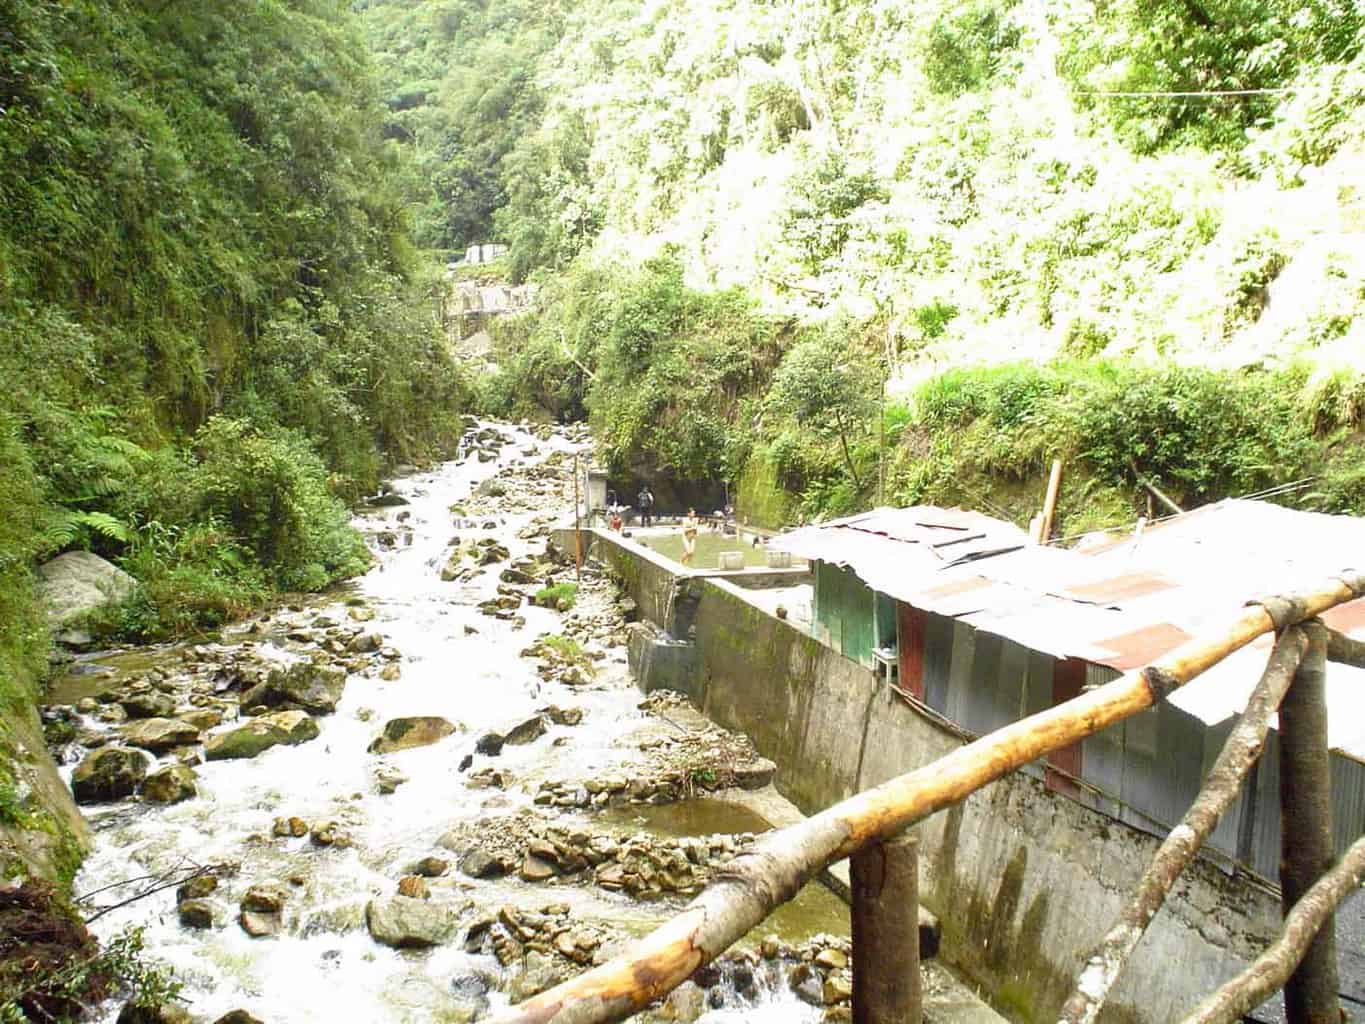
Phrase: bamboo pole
(1269, 971)
(577, 527)
(1310, 997)
(1054, 487)
(884, 878)
(1244, 745)
(775, 868)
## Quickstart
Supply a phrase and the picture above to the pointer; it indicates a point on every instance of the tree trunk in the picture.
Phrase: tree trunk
(885, 883)
(1272, 968)
(1306, 828)
(1244, 745)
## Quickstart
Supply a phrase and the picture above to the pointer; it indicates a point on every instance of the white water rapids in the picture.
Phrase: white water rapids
(325, 967)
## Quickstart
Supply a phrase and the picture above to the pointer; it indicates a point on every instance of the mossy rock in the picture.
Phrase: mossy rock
(249, 740)
(109, 774)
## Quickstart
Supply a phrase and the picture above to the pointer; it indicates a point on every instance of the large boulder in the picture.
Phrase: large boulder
(160, 734)
(77, 583)
(407, 923)
(170, 785)
(108, 774)
(405, 733)
(147, 704)
(247, 740)
(525, 732)
(304, 684)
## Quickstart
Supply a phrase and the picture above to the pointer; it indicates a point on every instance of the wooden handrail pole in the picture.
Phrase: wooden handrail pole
(884, 878)
(1310, 997)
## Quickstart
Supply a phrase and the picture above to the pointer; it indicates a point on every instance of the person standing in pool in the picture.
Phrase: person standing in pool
(690, 527)
(645, 499)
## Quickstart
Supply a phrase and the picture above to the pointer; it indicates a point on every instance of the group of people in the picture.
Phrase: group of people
(691, 525)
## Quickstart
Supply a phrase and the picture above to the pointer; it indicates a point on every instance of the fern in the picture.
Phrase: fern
(77, 528)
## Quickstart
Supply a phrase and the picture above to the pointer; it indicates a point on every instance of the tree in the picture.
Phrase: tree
(829, 386)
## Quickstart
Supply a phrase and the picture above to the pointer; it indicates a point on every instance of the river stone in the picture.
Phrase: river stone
(147, 705)
(490, 744)
(481, 864)
(306, 685)
(389, 500)
(299, 726)
(414, 886)
(160, 734)
(470, 993)
(831, 959)
(807, 985)
(197, 888)
(244, 741)
(405, 733)
(755, 774)
(542, 972)
(166, 1014)
(431, 867)
(406, 923)
(202, 718)
(265, 898)
(535, 869)
(75, 584)
(238, 1017)
(108, 774)
(198, 914)
(838, 987)
(526, 732)
(170, 785)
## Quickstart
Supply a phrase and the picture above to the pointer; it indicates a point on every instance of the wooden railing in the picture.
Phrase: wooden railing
(775, 868)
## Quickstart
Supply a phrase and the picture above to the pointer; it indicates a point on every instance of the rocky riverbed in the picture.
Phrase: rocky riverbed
(415, 798)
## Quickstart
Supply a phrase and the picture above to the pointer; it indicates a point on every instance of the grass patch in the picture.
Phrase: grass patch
(561, 595)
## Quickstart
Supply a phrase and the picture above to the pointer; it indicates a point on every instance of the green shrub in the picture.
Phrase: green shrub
(561, 596)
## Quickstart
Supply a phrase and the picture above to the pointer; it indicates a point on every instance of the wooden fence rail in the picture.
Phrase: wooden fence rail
(775, 868)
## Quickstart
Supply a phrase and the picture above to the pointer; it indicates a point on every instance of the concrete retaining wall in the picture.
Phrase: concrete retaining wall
(1023, 879)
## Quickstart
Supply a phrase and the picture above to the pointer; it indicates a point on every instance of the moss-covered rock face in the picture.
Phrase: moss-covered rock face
(245, 741)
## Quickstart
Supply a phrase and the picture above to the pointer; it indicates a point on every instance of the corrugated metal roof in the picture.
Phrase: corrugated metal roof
(1122, 603)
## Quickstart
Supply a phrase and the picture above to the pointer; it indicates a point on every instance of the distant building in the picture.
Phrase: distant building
(965, 617)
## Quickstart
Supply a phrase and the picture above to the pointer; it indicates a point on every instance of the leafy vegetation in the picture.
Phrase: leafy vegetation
(214, 327)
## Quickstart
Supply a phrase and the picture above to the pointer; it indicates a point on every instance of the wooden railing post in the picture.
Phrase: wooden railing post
(1310, 997)
(884, 877)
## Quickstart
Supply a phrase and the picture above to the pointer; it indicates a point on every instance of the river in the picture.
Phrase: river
(453, 661)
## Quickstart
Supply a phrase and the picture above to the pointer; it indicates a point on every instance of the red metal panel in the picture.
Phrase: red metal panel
(910, 642)
(1141, 646)
(1120, 588)
(1068, 677)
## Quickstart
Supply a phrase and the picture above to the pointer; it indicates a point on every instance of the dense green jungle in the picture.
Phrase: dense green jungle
(832, 253)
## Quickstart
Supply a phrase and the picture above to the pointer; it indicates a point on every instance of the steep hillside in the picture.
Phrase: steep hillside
(919, 188)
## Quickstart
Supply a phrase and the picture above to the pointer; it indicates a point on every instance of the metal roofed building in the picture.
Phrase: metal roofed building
(969, 619)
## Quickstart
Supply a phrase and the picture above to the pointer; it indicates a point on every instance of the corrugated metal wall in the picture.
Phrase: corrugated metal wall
(844, 612)
(1147, 770)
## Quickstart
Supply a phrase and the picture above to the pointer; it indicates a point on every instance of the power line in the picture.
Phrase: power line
(1198, 93)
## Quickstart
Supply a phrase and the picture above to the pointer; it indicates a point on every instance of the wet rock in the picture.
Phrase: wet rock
(389, 500)
(755, 774)
(807, 985)
(430, 867)
(406, 733)
(160, 734)
(387, 779)
(481, 864)
(247, 740)
(469, 991)
(685, 1003)
(526, 732)
(196, 888)
(365, 643)
(198, 914)
(414, 887)
(328, 833)
(563, 716)
(391, 672)
(168, 1013)
(171, 785)
(490, 744)
(292, 827)
(238, 1017)
(202, 719)
(536, 869)
(305, 685)
(838, 987)
(541, 972)
(299, 726)
(261, 910)
(360, 614)
(148, 704)
(108, 774)
(406, 923)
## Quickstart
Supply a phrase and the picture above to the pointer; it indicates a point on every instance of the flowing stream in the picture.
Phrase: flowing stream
(456, 663)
